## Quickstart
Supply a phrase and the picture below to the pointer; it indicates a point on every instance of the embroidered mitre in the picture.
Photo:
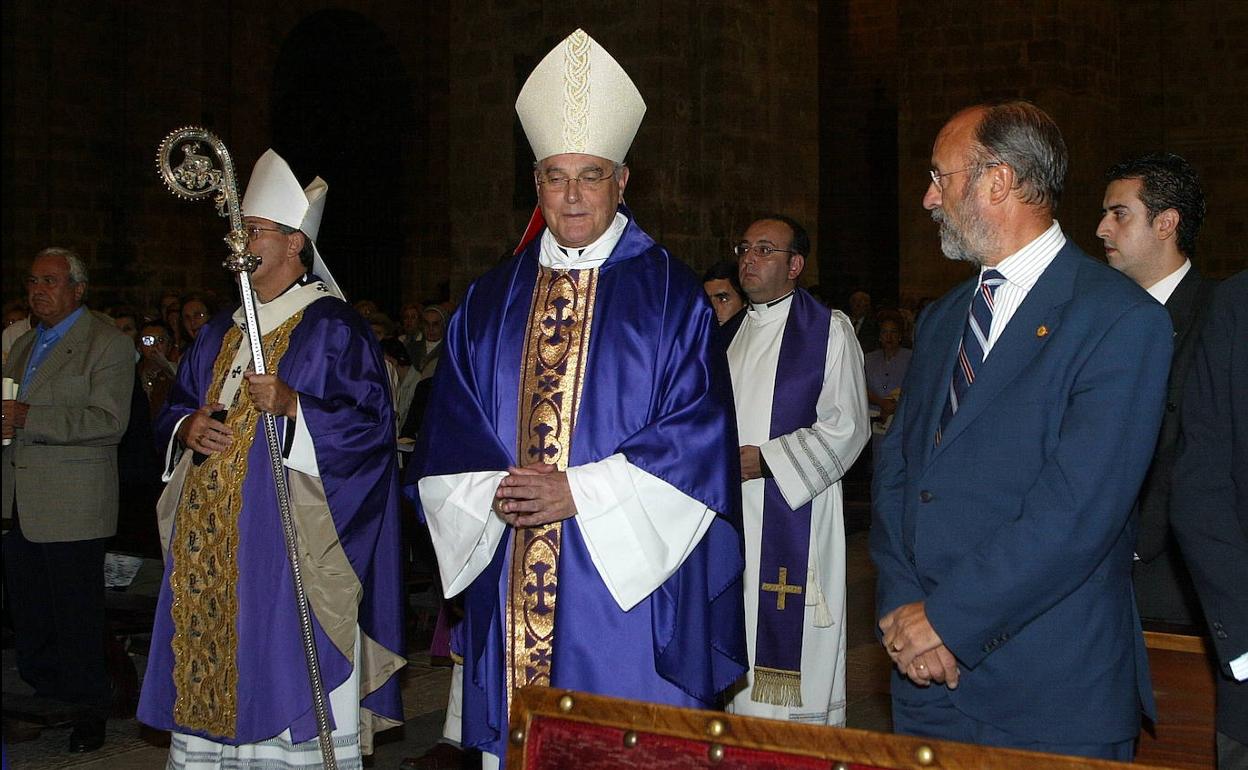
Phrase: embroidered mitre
(579, 99)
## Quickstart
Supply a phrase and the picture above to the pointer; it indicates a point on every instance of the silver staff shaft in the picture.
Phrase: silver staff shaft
(196, 177)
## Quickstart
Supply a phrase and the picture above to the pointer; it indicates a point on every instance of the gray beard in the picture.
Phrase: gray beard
(970, 244)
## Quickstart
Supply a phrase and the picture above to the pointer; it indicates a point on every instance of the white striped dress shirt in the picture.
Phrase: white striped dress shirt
(1021, 271)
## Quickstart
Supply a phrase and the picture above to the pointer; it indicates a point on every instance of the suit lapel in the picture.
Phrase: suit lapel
(1035, 322)
(1181, 303)
(19, 355)
(947, 337)
(65, 350)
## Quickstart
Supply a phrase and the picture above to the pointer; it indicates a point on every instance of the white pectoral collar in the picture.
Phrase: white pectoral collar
(767, 312)
(274, 314)
(270, 315)
(554, 256)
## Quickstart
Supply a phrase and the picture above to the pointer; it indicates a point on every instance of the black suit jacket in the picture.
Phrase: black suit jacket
(1163, 586)
(1210, 496)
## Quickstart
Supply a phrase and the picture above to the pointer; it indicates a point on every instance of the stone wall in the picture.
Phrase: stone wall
(825, 111)
(427, 178)
(1120, 78)
(731, 126)
(91, 88)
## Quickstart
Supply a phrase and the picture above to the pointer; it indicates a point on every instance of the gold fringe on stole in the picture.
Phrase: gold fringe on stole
(552, 375)
(777, 687)
(204, 579)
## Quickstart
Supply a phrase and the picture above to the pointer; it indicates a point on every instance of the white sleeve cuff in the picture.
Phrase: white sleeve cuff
(462, 524)
(1239, 667)
(302, 455)
(174, 451)
(638, 528)
(788, 471)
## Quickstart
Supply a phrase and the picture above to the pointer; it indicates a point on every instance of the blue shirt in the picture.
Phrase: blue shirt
(45, 340)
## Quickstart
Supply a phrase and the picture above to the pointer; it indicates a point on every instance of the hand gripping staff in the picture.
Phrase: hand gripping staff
(206, 168)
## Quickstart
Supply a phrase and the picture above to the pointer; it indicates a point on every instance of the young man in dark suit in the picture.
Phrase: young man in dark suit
(1150, 218)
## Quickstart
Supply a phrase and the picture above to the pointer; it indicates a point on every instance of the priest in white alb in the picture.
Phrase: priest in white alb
(800, 394)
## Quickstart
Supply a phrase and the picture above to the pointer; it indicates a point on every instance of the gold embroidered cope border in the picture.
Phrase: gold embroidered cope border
(552, 375)
(204, 580)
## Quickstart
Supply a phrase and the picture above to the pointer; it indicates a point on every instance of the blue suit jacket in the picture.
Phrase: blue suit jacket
(1016, 531)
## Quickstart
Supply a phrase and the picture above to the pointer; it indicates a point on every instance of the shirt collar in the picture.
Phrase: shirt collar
(1162, 290)
(1023, 267)
(555, 256)
(62, 328)
(774, 302)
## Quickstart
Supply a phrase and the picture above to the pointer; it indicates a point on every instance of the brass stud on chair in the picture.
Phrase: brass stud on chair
(517, 736)
(566, 703)
(925, 755)
(630, 739)
(716, 728)
(715, 754)
(840, 766)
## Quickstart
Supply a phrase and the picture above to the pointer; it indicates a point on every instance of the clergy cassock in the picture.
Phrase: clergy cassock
(797, 378)
(227, 667)
(600, 361)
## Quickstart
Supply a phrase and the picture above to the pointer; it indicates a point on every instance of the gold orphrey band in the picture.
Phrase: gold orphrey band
(555, 351)
(204, 579)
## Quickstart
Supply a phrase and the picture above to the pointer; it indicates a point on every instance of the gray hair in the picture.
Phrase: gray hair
(1025, 138)
(77, 269)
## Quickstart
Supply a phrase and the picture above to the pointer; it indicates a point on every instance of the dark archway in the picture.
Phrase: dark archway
(343, 110)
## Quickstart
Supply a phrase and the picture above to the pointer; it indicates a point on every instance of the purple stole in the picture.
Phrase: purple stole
(786, 532)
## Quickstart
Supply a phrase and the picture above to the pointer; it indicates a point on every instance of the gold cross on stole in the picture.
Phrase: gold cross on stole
(781, 588)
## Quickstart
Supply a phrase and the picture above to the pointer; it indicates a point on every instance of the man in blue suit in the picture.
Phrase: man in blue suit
(1002, 524)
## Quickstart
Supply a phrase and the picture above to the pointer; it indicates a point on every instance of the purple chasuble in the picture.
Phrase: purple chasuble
(657, 391)
(336, 367)
(785, 548)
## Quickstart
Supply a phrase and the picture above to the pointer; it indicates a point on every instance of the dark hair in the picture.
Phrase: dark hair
(117, 312)
(725, 269)
(891, 315)
(163, 327)
(1167, 181)
(1025, 138)
(209, 307)
(801, 240)
(391, 346)
(306, 256)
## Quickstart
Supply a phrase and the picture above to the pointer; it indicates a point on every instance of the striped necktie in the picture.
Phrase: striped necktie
(971, 352)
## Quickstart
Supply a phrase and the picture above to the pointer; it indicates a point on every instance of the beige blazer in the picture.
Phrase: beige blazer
(62, 467)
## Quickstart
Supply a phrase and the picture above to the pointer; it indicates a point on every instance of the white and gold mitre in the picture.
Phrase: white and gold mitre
(581, 100)
(274, 193)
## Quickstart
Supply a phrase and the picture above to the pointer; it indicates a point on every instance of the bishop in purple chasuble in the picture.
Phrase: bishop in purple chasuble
(572, 367)
(226, 658)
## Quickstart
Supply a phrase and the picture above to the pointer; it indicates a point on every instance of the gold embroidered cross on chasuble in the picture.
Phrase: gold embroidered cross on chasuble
(552, 375)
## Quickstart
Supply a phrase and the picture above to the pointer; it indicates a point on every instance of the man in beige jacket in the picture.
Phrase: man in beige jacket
(75, 373)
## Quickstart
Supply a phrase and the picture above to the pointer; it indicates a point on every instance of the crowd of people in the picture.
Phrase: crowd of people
(623, 469)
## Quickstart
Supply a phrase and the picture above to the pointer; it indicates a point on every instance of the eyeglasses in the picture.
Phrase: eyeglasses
(253, 231)
(149, 340)
(589, 180)
(938, 177)
(760, 250)
(197, 314)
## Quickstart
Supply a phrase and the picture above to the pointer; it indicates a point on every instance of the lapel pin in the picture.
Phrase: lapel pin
(1042, 331)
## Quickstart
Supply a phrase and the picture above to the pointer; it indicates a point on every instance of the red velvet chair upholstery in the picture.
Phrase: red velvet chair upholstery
(563, 730)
